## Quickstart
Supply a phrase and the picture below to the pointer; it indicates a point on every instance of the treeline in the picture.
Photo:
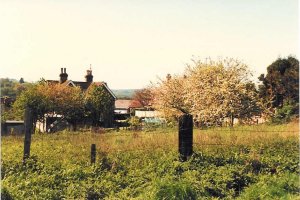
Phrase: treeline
(214, 92)
(11, 87)
(73, 104)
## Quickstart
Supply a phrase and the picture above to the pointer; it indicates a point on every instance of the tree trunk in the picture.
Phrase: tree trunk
(231, 120)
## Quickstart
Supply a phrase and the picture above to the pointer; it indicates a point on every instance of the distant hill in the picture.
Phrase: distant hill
(124, 93)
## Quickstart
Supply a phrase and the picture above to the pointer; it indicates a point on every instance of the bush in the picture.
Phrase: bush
(134, 122)
(284, 114)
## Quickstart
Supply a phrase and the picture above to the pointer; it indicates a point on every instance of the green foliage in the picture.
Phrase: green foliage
(281, 83)
(285, 186)
(175, 191)
(11, 87)
(134, 121)
(8, 87)
(99, 106)
(67, 101)
(59, 168)
(283, 114)
(10, 90)
(33, 98)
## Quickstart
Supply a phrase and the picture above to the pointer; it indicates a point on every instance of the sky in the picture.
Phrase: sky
(131, 43)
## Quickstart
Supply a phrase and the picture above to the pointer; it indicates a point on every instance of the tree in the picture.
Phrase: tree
(66, 101)
(281, 84)
(170, 97)
(144, 96)
(99, 105)
(34, 98)
(211, 91)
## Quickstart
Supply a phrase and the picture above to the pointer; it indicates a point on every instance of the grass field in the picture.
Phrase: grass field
(246, 162)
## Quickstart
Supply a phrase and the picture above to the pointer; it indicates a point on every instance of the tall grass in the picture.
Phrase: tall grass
(67, 145)
(228, 163)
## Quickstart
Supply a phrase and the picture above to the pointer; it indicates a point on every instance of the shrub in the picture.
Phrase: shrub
(134, 122)
(284, 114)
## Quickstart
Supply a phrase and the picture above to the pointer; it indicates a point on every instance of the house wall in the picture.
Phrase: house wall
(146, 113)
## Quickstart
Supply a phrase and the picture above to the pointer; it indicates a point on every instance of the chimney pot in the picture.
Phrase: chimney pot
(63, 75)
(89, 76)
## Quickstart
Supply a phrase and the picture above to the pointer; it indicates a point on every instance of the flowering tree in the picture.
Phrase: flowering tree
(170, 97)
(211, 91)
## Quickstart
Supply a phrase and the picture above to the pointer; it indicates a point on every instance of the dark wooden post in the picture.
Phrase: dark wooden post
(185, 137)
(93, 153)
(28, 131)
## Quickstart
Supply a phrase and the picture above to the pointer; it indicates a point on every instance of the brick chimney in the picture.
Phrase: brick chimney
(89, 76)
(63, 75)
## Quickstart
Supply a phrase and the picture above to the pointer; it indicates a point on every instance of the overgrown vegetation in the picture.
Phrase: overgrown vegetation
(246, 162)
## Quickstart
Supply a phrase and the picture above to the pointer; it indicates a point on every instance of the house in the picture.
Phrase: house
(53, 121)
(134, 108)
(125, 108)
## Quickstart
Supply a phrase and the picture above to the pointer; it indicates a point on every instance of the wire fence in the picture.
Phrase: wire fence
(197, 144)
(203, 139)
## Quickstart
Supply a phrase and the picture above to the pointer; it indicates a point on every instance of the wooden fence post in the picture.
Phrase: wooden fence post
(28, 131)
(185, 137)
(93, 153)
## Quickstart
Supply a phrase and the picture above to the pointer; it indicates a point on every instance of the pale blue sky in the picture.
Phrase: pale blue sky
(130, 43)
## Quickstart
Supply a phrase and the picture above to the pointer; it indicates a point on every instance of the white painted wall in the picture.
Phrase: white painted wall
(146, 113)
